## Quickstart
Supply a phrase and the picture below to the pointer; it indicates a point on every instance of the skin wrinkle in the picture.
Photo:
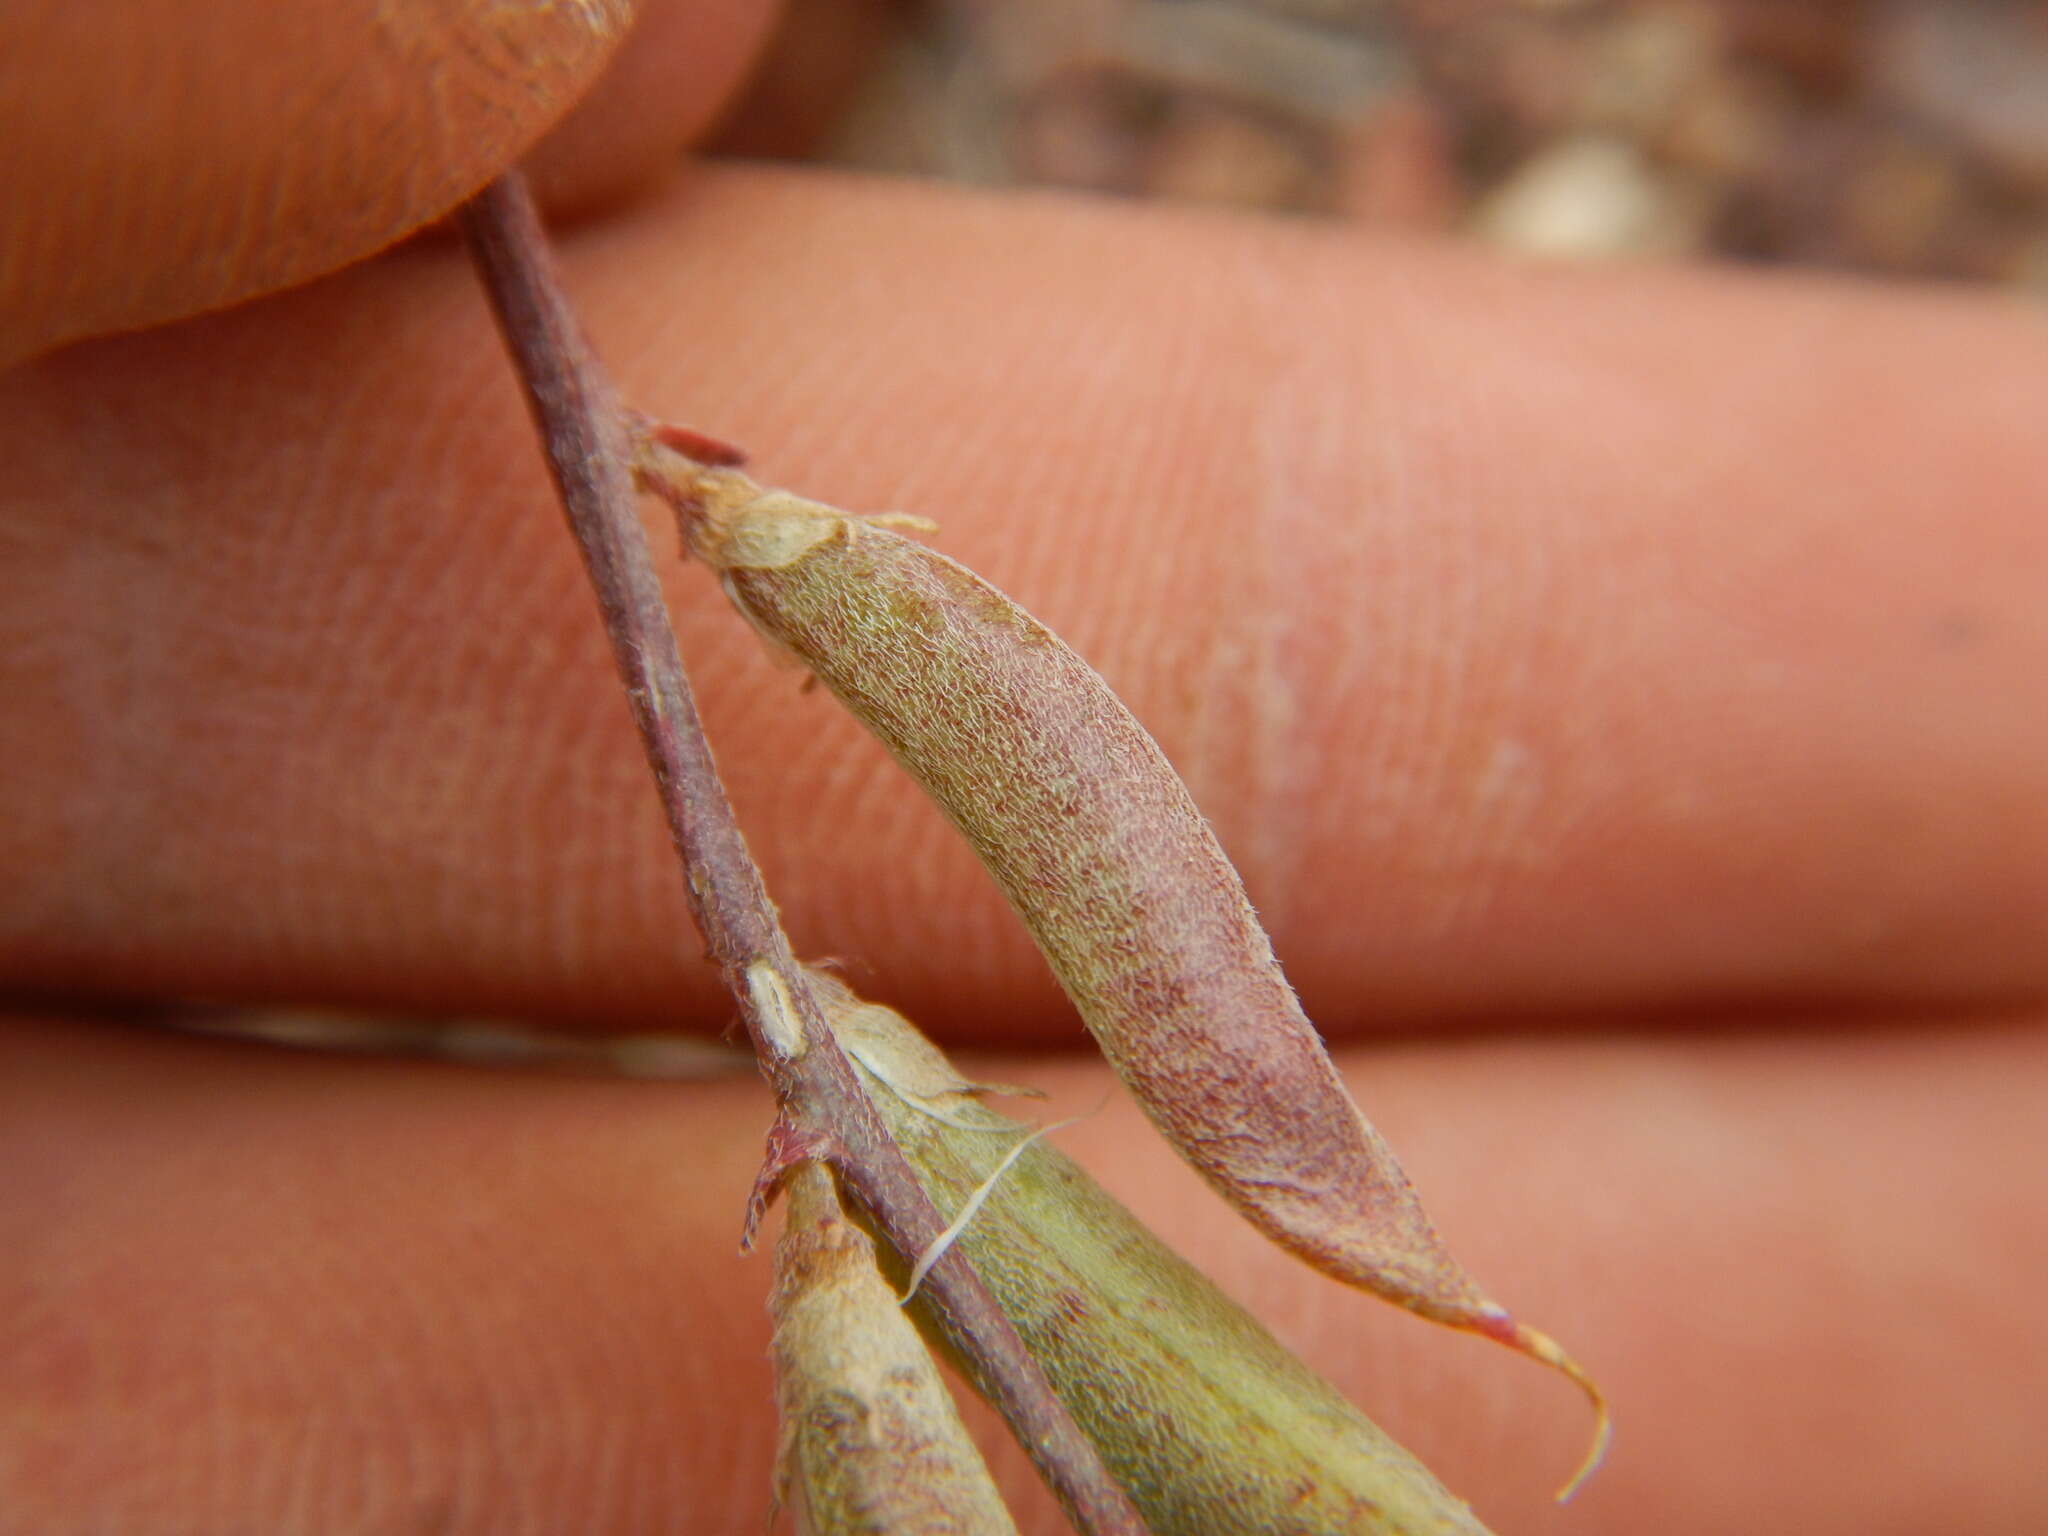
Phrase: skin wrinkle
(1488, 846)
(301, 1471)
(454, 711)
(1215, 642)
(568, 930)
(510, 1387)
(1303, 439)
(43, 667)
(121, 678)
(1264, 742)
(1299, 434)
(1266, 844)
(1447, 690)
(1371, 757)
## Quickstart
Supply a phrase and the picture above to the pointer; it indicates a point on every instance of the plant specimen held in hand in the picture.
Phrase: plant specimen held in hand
(1147, 1399)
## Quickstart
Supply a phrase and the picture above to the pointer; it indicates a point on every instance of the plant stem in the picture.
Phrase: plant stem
(820, 1099)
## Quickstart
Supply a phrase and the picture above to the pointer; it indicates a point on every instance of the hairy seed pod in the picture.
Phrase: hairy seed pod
(1210, 1424)
(1100, 849)
(871, 1442)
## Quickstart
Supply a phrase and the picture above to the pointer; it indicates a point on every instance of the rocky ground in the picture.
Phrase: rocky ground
(1893, 136)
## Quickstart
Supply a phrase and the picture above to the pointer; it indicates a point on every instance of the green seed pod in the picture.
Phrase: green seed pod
(871, 1442)
(1210, 1424)
(1100, 849)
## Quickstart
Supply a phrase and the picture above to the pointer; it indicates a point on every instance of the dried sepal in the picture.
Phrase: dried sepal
(1213, 1427)
(1094, 839)
(871, 1444)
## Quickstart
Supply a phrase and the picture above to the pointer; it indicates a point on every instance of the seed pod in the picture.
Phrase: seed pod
(871, 1442)
(1210, 1424)
(1098, 846)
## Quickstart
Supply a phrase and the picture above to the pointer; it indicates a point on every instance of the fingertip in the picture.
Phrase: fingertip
(678, 69)
(198, 154)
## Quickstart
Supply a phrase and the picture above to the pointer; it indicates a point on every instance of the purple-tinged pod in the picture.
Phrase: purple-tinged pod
(1100, 849)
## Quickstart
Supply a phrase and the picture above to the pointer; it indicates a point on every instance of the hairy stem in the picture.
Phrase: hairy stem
(821, 1102)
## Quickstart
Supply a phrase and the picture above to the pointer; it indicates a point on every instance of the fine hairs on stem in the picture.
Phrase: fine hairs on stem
(822, 1110)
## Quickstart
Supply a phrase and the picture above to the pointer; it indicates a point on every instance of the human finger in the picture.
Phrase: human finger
(183, 154)
(249, 1289)
(1538, 643)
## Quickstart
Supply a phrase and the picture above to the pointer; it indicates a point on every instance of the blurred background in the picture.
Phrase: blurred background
(1904, 137)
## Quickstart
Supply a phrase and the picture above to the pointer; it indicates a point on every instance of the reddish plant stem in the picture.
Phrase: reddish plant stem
(584, 432)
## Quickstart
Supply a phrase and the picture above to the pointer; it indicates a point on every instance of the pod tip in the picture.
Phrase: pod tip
(1541, 1346)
